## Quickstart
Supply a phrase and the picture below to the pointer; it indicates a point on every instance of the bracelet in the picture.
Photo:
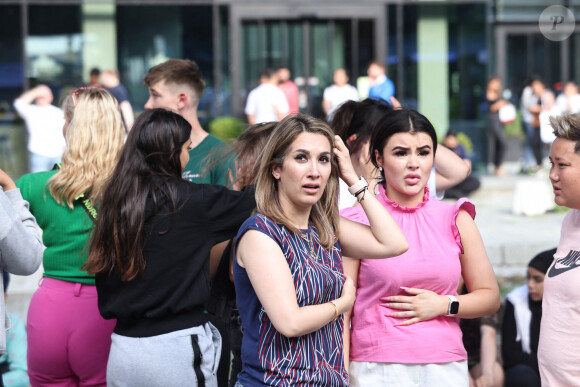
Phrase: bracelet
(335, 310)
(363, 191)
(356, 187)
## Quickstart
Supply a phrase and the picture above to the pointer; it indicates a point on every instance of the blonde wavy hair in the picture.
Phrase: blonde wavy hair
(94, 137)
(324, 214)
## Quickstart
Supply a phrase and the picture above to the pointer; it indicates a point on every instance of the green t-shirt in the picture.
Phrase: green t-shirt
(209, 162)
(65, 232)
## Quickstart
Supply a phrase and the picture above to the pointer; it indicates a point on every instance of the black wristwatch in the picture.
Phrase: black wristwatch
(453, 306)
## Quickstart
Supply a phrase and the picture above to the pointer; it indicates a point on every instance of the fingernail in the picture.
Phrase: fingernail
(404, 287)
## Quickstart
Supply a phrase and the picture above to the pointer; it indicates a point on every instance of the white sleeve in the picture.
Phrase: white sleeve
(282, 103)
(354, 94)
(251, 104)
(23, 109)
(326, 93)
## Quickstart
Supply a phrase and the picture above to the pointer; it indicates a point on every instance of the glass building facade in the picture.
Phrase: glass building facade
(438, 53)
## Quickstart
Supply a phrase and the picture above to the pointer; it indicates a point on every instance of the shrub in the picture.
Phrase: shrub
(226, 128)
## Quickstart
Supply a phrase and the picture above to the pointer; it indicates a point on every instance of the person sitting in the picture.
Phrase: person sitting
(521, 325)
(479, 339)
(470, 183)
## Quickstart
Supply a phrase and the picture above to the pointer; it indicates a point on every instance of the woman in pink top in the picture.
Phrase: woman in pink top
(558, 355)
(405, 321)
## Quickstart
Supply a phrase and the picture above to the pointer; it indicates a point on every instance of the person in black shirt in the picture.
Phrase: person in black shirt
(521, 325)
(150, 253)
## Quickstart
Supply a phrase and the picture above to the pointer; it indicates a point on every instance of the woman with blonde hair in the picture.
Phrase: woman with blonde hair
(68, 340)
(290, 286)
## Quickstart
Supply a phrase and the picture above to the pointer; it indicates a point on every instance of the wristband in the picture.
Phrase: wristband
(362, 197)
(358, 186)
(335, 311)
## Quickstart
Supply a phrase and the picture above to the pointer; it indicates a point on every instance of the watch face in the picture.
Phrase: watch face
(454, 307)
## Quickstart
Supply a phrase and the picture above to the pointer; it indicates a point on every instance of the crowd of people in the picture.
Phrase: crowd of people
(306, 253)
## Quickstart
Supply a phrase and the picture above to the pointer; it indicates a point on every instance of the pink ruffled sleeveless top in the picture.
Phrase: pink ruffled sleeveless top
(432, 262)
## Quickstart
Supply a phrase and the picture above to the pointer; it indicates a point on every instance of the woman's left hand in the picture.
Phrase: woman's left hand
(345, 168)
(421, 305)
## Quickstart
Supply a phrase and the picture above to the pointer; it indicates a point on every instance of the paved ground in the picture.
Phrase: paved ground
(511, 240)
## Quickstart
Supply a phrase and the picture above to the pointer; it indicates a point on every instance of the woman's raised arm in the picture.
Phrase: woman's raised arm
(383, 238)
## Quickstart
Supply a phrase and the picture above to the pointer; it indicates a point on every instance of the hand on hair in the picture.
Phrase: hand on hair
(345, 168)
(6, 182)
(396, 104)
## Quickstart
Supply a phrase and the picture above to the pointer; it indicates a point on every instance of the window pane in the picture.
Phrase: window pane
(13, 153)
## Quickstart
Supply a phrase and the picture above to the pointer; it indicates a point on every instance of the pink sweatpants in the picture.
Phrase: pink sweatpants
(68, 340)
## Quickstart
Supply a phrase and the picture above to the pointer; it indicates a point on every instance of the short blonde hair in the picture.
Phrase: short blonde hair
(95, 137)
(567, 127)
(324, 214)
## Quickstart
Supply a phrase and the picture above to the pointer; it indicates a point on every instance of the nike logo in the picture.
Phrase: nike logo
(569, 262)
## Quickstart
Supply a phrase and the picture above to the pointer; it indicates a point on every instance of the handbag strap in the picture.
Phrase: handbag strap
(84, 203)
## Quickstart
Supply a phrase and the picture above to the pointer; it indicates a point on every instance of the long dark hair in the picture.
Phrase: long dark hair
(399, 121)
(354, 121)
(149, 165)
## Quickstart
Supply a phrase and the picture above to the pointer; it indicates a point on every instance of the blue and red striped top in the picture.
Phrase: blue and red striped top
(268, 357)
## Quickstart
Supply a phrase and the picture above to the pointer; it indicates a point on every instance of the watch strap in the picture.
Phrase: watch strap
(452, 300)
(358, 186)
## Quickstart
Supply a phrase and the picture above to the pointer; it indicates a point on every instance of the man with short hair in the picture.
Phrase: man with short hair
(114, 86)
(338, 93)
(94, 77)
(381, 86)
(266, 103)
(177, 85)
(44, 122)
(289, 89)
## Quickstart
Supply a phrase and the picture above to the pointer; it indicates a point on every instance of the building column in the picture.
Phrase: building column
(99, 29)
(433, 66)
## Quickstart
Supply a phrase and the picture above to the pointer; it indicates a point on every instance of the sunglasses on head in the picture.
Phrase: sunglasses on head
(77, 92)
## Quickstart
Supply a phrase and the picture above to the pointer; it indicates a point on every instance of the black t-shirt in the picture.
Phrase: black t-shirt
(171, 293)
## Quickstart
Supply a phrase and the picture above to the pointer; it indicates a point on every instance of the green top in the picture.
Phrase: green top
(65, 232)
(211, 152)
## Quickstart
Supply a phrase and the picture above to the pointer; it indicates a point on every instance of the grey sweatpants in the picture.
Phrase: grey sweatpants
(189, 357)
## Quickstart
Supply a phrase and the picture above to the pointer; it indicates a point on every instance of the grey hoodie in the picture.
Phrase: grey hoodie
(20, 245)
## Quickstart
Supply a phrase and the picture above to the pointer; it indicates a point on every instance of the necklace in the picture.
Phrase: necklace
(310, 240)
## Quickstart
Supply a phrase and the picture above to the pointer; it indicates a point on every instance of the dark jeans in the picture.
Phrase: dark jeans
(497, 138)
(537, 146)
(522, 376)
(463, 189)
(235, 346)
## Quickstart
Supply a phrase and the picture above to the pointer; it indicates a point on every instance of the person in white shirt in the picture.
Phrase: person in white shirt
(44, 122)
(338, 93)
(266, 102)
(569, 100)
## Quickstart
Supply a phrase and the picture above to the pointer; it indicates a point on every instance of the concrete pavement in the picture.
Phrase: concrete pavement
(512, 240)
